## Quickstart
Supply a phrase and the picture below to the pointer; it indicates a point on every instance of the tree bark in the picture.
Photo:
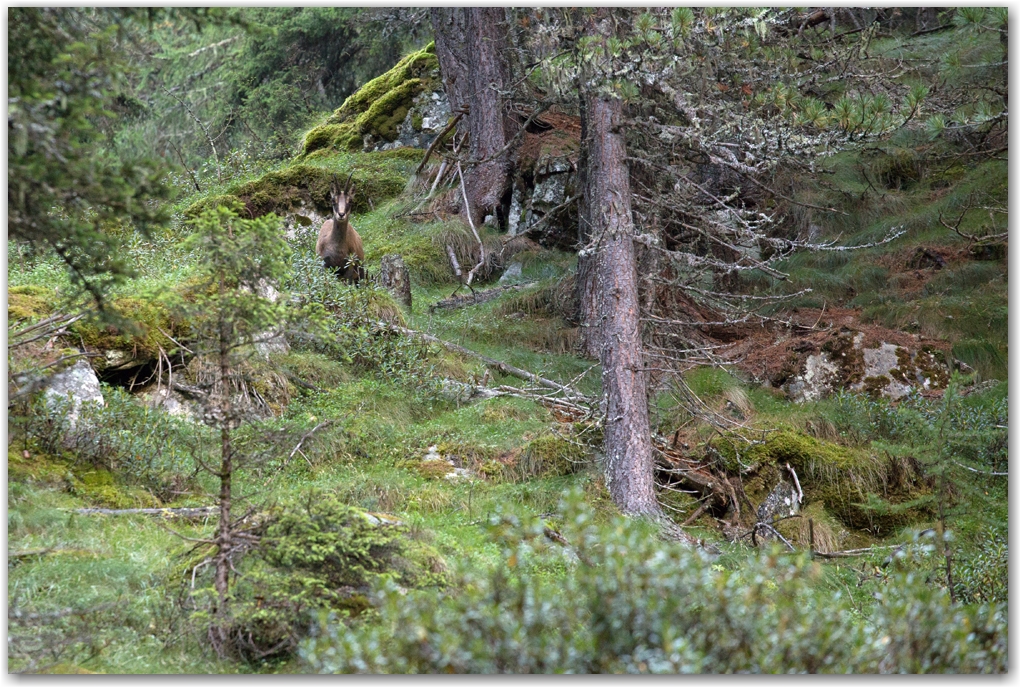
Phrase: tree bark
(472, 45)
(611, 308)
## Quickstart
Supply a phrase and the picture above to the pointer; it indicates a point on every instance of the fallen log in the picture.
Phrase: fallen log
(201, 512)
(475, 298)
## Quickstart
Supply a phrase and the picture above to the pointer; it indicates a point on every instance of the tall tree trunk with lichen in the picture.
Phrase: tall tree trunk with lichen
(472, 45)
(610, 307)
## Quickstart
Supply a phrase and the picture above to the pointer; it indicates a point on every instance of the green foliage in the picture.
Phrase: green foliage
(241, 260)
(982, 569)
(629, 603)
(358, 331)
(68, 192)
(144, 446)
(257, 77)
(316, 554)
(329, 540)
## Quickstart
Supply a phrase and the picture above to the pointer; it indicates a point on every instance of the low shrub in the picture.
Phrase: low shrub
(628, 603)
(314, 554)
(139, 445)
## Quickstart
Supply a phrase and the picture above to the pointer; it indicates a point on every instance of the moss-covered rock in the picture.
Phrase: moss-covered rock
(848, 358)
(99, 487)
(377, 178)
(379, 107)
(551, 456)
(142, 328)
(433, 469)
(29, 302)
(846, 480)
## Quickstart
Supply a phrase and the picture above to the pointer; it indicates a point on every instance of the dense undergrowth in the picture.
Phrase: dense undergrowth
(373, 556)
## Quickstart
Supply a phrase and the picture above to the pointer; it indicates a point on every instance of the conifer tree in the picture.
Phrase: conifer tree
(234, 305)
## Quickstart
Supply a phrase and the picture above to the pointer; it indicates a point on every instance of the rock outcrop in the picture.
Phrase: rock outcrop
(69, 389)
(885, 369)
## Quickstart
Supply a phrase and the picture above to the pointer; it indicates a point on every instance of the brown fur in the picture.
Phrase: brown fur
(339, 245)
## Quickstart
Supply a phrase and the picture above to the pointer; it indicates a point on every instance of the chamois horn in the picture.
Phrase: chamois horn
(347, 186)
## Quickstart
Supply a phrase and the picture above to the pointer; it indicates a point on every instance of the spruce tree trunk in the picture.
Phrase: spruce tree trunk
(610, 307)
(472, 45)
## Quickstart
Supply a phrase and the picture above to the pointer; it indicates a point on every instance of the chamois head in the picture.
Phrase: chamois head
(341, 198)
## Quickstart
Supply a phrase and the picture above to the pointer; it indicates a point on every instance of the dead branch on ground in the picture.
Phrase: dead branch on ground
(476, 297)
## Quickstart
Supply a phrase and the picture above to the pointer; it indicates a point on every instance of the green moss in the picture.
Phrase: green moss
(422, 254)
(931, 362)
(377, 108)
(415, 66)
(850, 359)
(840, 477)
(35, 467)
(904, 367)
(28, 302)
(99, 487)
(552, 456)
(339, 136)
(140, 331)
(379, 304)
(873, 386)
(377, 178)
(433, 469)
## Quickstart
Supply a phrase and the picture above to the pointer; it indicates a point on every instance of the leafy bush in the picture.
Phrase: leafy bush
(630, 603)
(982, 573)
(144, 446)
(358, 332)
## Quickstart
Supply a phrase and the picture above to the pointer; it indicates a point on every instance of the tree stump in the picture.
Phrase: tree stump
(394, 276)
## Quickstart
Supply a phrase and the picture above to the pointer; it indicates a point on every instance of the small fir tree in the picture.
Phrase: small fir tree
(235, 304)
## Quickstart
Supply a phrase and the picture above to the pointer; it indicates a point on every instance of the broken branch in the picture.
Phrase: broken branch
(499, 365)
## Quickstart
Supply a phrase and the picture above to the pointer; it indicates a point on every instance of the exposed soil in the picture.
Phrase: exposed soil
(553, 134)
(772, 353)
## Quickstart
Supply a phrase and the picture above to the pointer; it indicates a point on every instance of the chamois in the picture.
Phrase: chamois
(339, 245)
